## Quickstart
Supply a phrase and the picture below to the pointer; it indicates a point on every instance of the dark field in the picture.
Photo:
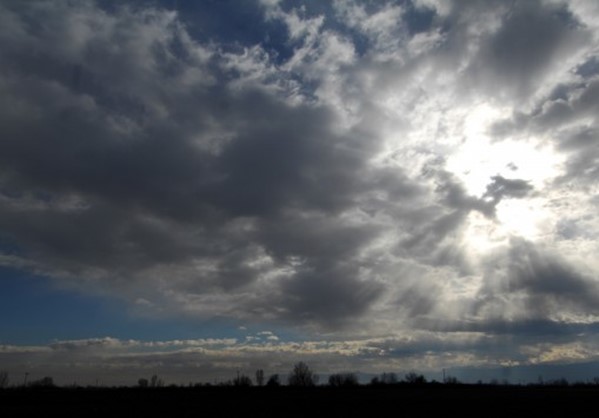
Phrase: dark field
(364, 401)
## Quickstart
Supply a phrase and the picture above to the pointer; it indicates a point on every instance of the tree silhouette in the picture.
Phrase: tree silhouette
(302, 376)
(384, 379)
(260, 377)
(155, 382)
(3, 379)
(451, 380)
(242, 380)
(415, 378)
(343, 379)
(389, 378)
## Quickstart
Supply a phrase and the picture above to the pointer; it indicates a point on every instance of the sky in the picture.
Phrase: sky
(192, 189)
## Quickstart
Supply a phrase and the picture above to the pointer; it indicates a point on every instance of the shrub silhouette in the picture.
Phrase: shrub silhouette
(273, 381)
(302, 376)
(45, 382)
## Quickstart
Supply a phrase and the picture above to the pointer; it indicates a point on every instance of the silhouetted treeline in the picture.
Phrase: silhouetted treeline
(401, 398)
(302, 376)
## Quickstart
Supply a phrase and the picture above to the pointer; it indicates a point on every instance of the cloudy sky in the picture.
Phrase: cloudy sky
(195, 188)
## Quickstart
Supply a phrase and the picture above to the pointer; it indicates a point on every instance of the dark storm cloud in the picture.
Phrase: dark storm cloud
(582, 146)
(455, 196)
(513, 60)
(333, 295)
(283, 158)
(501, 187)
(588, 68)
(137, 161)
(576, 121)
(566, 106)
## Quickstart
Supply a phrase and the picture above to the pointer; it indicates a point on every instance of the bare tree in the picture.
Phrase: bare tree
(301, 375)
(3, 379)
(242, 381)
(415, 378)
(343, 379)
(143, 383)
(260, 377)
(451, 380)
(389, 378)
(156, 382)
(384, 379)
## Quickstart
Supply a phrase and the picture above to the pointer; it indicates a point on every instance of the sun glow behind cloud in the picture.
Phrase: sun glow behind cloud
(478, 157)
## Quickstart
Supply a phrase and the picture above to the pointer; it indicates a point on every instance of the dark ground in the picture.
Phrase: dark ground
(365, 401)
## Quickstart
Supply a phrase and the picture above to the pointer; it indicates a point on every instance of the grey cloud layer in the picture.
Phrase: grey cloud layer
(122, 160)
(314, 190)
(180, 361)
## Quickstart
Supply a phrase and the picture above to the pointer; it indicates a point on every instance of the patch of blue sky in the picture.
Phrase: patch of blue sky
(34, 311)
